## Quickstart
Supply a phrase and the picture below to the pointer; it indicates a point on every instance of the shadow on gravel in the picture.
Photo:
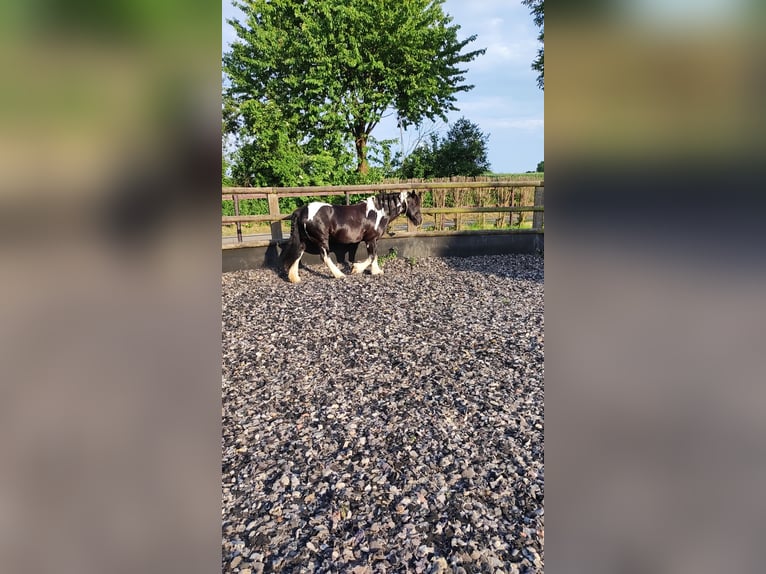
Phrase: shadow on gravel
(344, 255)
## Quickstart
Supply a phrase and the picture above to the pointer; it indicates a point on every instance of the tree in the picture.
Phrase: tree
(537, 9)
(541, 167)
(226, 180)
(420, 164)
(333, 68)
(268, 149)
(463, 151)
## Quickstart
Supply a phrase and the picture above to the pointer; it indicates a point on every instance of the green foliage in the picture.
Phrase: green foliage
(420, 164)
(463, 151)
(383, 259)
(384, 162)
(226, 179)
(246, 207)
(541, 167)
(537, 9)
(309, 81)
(270, 152)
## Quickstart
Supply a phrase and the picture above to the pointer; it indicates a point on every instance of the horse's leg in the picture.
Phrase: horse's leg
(293, 250)
(373, 250)
(325, 249)
(292, 274)
(362, 265)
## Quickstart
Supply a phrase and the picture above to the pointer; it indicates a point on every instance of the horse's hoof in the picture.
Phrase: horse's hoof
(295, 279)
(377, 272)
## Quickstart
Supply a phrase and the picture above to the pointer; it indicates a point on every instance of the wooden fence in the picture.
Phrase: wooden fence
(503, 202)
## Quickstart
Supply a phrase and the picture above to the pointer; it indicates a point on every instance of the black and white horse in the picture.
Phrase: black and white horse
(319, 223)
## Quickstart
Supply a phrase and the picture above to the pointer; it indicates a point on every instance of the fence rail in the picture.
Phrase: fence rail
(264, 192)
(275, 218)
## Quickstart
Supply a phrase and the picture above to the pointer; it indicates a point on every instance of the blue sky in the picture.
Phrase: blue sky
(505, 102)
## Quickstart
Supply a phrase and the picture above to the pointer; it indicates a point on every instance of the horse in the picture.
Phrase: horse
(319, 223)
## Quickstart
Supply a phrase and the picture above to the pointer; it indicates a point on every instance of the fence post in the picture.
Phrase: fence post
(537, 216)
(235, 199)
(276, 226)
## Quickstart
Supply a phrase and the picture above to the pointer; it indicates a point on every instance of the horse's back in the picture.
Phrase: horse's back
(363, 221)
(313, 208)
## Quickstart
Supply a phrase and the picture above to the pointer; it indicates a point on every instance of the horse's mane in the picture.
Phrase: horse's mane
(382, 196)
(387, 200)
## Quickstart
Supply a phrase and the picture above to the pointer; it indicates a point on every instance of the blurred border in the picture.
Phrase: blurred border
(110, 337)
(654, 394)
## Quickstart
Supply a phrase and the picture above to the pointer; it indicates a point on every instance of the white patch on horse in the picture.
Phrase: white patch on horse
(293, 273)
(361, 266)
(337, 273)
(379, 213)
(403, 199)
(315, 206)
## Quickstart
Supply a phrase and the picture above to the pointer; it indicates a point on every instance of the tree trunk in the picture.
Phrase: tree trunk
(361, 154)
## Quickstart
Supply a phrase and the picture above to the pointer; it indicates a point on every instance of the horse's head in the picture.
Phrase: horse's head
(412, 208)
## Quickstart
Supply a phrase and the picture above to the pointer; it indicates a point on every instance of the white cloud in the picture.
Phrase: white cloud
(500, 112)
(486, 105)
(508, 43)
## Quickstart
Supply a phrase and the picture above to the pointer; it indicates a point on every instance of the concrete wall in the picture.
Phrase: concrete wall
(431, 245)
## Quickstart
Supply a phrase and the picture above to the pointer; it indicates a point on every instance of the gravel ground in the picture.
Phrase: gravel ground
(387, 423)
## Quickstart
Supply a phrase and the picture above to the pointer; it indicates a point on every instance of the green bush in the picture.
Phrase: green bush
(246, 207)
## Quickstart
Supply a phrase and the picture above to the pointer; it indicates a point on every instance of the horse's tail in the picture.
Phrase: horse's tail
(293, 249)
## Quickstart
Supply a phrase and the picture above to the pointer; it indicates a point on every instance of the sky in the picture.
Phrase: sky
(505, 102)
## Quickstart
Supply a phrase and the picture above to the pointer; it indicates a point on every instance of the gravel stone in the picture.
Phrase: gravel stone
(385, 423)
